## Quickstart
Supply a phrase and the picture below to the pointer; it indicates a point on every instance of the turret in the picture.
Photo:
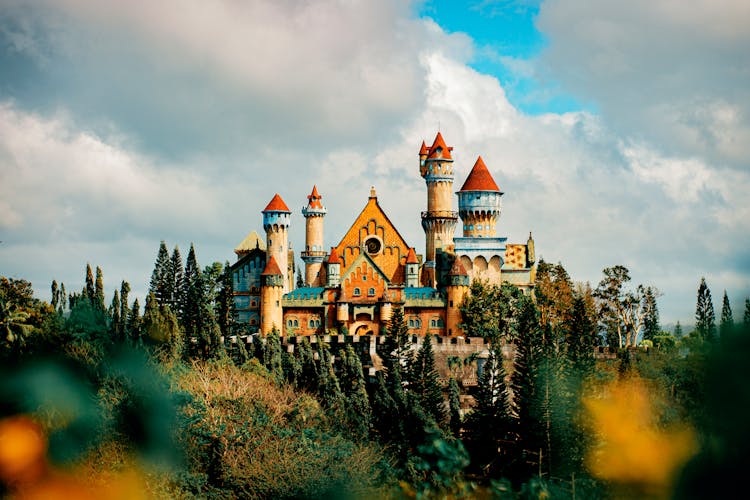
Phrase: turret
(333, 269)
(457, 289)
(479, 202)
(276, 217)
(530, 255)
(386, 308)
(412, 269)
(314, 254)
(271, 290)
(439, 221)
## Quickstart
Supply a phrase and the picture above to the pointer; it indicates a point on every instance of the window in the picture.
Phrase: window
(371, 292)
(311, 323)
(433, 323)
(296, 323)
(289, 323)
(357, 293)
(364, 278)
(451, 304)
(479, 227)
(411, 323)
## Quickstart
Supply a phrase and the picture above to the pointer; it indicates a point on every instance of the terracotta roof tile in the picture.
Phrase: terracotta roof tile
(315, 198)
(272, 268)
(276, 205)
(480, 179)
(457, 269)
(439, 149)
(411, 257)
(334, 257)
(423, 150)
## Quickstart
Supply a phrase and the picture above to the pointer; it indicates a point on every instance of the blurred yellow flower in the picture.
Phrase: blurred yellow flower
(22, 450)
(630, 447)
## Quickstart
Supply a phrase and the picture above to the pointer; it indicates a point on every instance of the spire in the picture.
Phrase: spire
(373, 194)
(424, 150)
(276, 205)
(334, 257)
(411, 257)
(272, 268)
(439, 150)
(480, 179)
(457, 269)
(314, 198)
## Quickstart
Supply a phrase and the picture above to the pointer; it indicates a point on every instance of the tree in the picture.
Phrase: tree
(746, 318)
(55, 294)
(300, 281)
(160, 276)
(554, 294)
(582, 338)
(225, 302)
(115, 317)
(134, 323)
(99, 289)
(678, 331)
(705, 318)
(174, 280)
(454, 408)
(727, 321)
(622, 312)
(193, 296)
(161, 329)
(356, 403)
(89, 291)
(651, 326)
(425, 382)
(486, 311)
(124, 309)
(13, 325)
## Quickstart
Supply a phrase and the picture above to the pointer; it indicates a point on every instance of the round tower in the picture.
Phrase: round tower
(271, 291)
(439, 221)
(479, 203)
(314, 253)
(276, 218)
(457, 289)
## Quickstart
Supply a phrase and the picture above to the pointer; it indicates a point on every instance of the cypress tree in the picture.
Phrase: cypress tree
(193, 295)
(705, 318)
(134, 323)
(116, 321)
(159, 276)
(99, 289)
(174, 280)
(727, 321)
(90, 291)
(356, 402)
(678, 330)
(124, 309)
(63, 298)
(329, 390)
(300, 281)
(225, 301)
(425, 382)
(55, 294)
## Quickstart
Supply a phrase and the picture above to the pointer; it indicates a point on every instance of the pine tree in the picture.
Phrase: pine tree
(454, 405)
(160, 274)
(174, 280)
(134, 323)
(705, 318)
(193, 296)
(651, 326)
(116, 321)
(225, 302)
(124, 309)
(727, 321)
(99, 289)
(356, 402)
(63, 298)
(90, 291)
(425, 383)
(582, 338)
(678, 330)
(746, 318)
(329, 390)
(300, 281)
(55, 294)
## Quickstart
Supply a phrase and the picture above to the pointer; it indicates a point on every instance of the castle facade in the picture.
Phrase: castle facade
(353, 286)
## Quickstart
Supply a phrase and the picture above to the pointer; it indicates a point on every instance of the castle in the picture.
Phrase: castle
(354, 286)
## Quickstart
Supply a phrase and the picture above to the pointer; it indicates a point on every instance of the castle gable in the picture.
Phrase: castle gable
(363, 281)
(382, 243)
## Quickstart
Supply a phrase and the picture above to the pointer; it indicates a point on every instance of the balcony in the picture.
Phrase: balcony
(440, 214)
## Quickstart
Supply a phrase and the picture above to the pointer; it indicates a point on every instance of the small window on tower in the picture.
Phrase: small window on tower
(371, 292)
(357, 292)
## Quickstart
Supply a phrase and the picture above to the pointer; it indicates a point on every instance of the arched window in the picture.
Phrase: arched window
(296, 323)
(371, 292)
(357, 292)
(411, 323)
(311, 323)
(289, 323)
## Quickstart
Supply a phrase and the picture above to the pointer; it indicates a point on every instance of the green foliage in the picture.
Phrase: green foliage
(159, 284)
(651, 326)
(486, 312)
(727, 321)
(425, 384)
(99, 286)
(705, 318)
(356, 407)
(454, 408)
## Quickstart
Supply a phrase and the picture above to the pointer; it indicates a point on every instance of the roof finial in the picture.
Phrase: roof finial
(372, 192)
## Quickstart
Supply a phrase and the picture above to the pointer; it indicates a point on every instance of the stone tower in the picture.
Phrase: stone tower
(439, 221)
(333, 269)
(456, 290)
(412, 269)
(314, 254)
(479, 203)
(276, 217)
(271, 291)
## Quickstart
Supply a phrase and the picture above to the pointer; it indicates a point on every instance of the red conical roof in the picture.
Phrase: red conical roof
(457, 269)
(334, 257)
(276, 205)
(411, 257)
(439, 144)
(272, 268)
(480, 179)
(423, 150)
(315, 198)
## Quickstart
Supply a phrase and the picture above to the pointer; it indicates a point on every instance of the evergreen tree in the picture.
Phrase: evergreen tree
(161, 329)
(705, 318)
(425, 382)
(727, 321)
(329, 390)
(115, 318)
(300, 281)
(89, 291)
(678, 330)
(99, 289)
(193, 296)
(356, 401)
(454, 405)
(63, 298)
(160, 276)
(225, 302)
(174, 280)
(124, 309)
(488, 424)
(746, 318)
(134, 323)
(308, 370)
(55, 294)
(397, 344)
(651, 326)
(582, 338)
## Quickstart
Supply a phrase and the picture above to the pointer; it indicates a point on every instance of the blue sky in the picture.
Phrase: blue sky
(619, 131)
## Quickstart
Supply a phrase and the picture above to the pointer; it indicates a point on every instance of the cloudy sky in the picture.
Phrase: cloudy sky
(619, 131)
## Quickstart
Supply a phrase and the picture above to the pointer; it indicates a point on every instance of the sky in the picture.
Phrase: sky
(618, 131)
